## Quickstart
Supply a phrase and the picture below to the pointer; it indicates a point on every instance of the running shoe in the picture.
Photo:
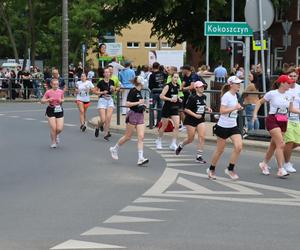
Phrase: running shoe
(178, 149)
(97, 132)
(83, 128)
(182, 129)
(101, 126)
(142, 161)
(232, 174)
(289, 167)
(211, 174)
(282, 173)
(109, 134)
(57, 139)
(158, 144)
(114, 153)
(173, 146)
(264, 168)
(200, 160)
(106, 138)
(53, 145)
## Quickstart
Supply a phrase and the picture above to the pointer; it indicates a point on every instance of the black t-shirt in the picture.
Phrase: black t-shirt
(134, 95)
(103, 85)
(173, 90)
(196, 104)
(156, 80)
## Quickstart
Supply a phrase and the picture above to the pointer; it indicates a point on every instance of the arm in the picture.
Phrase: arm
(45, 98)
(162, 96)
(293, 109)
(257, 107)
(191, 113)
(224, 110)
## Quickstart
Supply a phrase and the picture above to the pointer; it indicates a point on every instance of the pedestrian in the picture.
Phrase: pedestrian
(227, 128)
(134, 120)
(55, 113)
(105, 88)
(195, 121)
(220, 73)
(250, 101)
(280, 102)
(170, 110)
(55, 75)
(116, 66)
(292, 135)
(83, 100)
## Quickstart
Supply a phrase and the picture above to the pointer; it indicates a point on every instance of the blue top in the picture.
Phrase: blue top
(220, 72)
(126, 76)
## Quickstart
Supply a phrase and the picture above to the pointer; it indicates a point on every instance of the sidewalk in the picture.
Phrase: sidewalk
(248, 144)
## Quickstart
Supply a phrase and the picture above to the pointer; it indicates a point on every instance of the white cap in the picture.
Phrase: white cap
(234, 79)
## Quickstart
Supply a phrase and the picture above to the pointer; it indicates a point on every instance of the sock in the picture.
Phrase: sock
(141, 154)
(173, 141)
(230, 167)
(199, 153)
(181, 145)
(212, 168)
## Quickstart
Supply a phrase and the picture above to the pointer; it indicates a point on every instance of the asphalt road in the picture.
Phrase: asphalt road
(76, 197)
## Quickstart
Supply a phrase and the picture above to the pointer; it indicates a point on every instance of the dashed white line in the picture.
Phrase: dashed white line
(77, 244)
(29, 119)
(13, 116)
(109, 231)
(129, 209)
(129, 219)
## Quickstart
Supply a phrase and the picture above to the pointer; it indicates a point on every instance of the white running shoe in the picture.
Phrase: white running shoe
(282, 173)
(53, 145)
(211, 174)
(289, 167)
(114, 153)
(173, 146)
(264, 168)
(158, 144)
(232, 174)
(182, 129)
(142, 161)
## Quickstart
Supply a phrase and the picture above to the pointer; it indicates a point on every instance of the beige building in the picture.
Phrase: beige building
(136, 44)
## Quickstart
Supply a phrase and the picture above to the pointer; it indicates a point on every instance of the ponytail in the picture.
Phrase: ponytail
(224, 89)
(275, 85)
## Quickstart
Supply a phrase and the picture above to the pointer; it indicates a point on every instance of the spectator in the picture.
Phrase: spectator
(27, 84)
(116, 66)
(240, 73)
(55, 75)
(91, 75)
(220, 73)
(126, 77)
(145, 74)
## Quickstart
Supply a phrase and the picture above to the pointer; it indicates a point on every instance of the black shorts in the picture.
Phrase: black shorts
(193, 122)
(225, 133)
(169, 111)
(50, 112)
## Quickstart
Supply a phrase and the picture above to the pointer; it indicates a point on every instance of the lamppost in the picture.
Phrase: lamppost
(65, 40)
(207, 37)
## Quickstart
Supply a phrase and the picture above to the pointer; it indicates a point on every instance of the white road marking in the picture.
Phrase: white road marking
(183, 164)
(177, 156)
(13, 116)
(171, 176)
(44, 121)
(2, 114)
(144, 209)
(154, 200)
(129, 219)
(29, 119)
(110, 231)
(76, 244)
(179, 159)
(69, 125)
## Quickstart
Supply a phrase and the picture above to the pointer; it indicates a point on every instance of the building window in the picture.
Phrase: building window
(150, 45)
(278, 58)
(133, 45)
(298, 57)
(165, 45)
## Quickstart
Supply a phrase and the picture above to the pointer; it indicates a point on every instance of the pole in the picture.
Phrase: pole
(256, 57)
(207, 37)
(269, 58)
(232, 38)
(65, 41)
(247, 60)
(262, 42)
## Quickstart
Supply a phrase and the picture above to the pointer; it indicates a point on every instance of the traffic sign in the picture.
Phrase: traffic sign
(252, 14)
(256, 45)
(227, 29)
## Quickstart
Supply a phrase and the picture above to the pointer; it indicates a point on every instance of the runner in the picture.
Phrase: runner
(292, 135)
(227, 128)
(54, 112)
(134, 120)
(83, 89)
(276, 122)
(170, 110)
(195, 120)
(105, 89)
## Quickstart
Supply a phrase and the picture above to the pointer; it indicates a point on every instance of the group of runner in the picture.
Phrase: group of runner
(282, 122)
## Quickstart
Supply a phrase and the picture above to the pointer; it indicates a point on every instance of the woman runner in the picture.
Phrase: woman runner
(134, 120)
(195, 120)
(227, 128)
(170, 109)
(276, 122)
(54, 111)
(105, 89)
(83, 89)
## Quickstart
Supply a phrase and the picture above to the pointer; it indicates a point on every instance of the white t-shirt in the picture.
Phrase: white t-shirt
(84, 90)
(295, 93)
(279, 102)
(91, 75)
(229, 120)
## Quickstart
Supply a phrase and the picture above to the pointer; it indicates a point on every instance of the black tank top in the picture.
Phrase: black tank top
(173, 90)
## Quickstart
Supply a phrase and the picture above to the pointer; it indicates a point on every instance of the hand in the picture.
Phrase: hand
(198, 116)
(173, 100)
(254, 118)
(209, 110)
(141, 101)
(105, 92)
(50, 99)
(239, 107)
(180, 100)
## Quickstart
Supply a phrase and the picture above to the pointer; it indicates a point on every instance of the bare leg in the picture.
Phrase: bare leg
(237, 148)
(219, 151)
(279, 142)
(52, 125)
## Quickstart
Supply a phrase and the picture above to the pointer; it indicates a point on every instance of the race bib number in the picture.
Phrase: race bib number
(83, 93)
(282, 111)
(233, 114)
(200, 110)
(294, 117)
(57, 109)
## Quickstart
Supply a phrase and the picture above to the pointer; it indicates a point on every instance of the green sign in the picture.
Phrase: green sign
(227, 29)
